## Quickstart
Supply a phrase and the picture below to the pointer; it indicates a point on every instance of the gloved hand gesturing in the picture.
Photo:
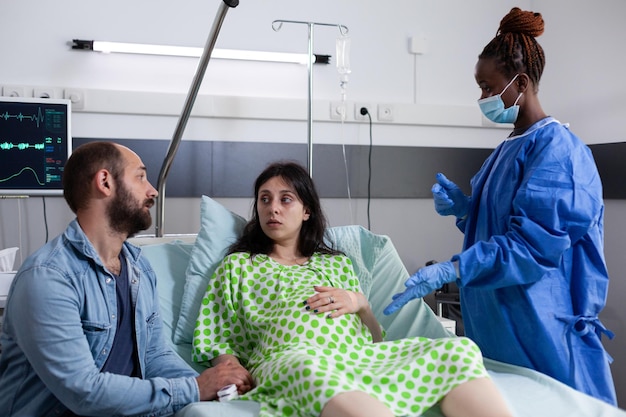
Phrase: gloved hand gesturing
(424, 281)
(449, 198)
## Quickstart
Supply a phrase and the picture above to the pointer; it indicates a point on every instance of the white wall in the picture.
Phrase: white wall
(433, 94)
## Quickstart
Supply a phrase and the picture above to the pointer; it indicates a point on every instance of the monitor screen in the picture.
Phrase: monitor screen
(35, 142)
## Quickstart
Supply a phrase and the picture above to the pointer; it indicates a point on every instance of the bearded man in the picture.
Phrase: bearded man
(82, 333)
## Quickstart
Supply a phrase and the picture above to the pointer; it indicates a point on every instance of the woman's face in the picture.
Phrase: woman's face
(280, 211)
(491, 82)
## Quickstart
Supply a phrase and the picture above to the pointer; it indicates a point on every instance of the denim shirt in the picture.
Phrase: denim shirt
(59, 325)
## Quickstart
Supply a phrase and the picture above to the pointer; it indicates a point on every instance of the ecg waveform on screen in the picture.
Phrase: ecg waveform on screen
(34, 145)
(37, 118)
(24, 171)
(51, 163)
(7, 146)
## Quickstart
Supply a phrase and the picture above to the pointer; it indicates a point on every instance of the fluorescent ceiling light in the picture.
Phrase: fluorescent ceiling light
(187, 51)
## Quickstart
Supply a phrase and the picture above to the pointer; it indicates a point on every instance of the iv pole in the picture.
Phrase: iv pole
(184, 117)
(276, 25)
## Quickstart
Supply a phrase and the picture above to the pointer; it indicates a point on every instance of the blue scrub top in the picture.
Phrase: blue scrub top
(532, 273)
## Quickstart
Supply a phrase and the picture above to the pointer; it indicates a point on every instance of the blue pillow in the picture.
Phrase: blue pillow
(219, 228)
(169, 261)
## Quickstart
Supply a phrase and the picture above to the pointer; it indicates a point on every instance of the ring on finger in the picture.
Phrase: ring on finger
(331, 300)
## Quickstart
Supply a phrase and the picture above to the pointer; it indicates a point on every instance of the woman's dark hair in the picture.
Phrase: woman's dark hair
(83, 164)
(311, 239)
(515, 49)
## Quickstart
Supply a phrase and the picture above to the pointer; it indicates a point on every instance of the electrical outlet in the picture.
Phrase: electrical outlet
(44, 92)
(13, 91)
(357, 111)
(338, 110)
(77, 97)
(385, 113)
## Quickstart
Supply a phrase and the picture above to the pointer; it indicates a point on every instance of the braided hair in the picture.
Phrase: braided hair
(514, 48)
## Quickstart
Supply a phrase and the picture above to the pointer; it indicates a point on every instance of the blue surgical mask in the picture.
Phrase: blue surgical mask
(493, 107)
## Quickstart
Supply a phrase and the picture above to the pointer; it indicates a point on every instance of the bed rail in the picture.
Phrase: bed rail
(184, 116)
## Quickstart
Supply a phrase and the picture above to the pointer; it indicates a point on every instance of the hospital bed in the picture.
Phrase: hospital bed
(184, 264)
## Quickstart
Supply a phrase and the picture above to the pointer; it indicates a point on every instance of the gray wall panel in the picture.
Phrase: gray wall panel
(228, 169)
(610, 159)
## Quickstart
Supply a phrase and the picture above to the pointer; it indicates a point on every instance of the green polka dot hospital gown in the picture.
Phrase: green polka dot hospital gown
(254, 309)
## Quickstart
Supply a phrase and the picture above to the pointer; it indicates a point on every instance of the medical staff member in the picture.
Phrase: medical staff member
(532, 273)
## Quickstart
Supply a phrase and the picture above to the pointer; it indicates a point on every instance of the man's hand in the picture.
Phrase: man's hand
(227, 371)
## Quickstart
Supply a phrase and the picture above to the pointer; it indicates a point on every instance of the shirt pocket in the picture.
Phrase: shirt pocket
(97, 334)
(95, 328)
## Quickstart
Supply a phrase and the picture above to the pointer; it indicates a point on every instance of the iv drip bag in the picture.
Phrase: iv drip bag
(343, 55)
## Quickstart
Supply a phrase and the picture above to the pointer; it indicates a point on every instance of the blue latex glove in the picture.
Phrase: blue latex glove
(449, 198)
(424, 281)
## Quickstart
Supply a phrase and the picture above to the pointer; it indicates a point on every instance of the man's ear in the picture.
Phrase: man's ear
(103, 181)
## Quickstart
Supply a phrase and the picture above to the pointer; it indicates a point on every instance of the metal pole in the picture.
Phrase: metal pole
(276, 25)
(310, 104)
(184, 117)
